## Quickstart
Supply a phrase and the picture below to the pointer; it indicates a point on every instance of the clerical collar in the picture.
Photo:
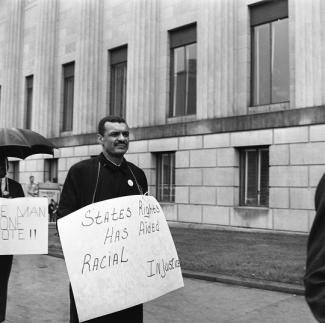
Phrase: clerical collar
(107, 159)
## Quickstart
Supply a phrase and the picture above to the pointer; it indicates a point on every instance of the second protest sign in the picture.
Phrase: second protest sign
(23, 226)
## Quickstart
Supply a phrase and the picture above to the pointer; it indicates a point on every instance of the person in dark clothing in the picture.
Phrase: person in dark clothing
(100, 178)
(52, 208)
(8, 189)
(314, 278)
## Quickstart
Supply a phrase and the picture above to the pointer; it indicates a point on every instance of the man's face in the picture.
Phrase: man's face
(3, 170)
(115, 141)
(31, 179)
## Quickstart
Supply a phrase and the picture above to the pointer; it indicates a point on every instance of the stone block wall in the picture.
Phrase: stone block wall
(207, 175)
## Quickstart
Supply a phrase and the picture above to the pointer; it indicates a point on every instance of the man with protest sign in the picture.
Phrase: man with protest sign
(100, 178)
(8, 189)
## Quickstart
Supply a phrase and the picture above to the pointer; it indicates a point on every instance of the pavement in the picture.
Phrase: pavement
(38, 292)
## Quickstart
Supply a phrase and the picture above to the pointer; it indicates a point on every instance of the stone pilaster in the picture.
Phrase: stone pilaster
(10, 109)
(43, 114)
(216, 59)
(142, 64)
(307, 52)
(88, 73)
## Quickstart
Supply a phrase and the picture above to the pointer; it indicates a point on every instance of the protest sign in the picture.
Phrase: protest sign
(119, 253)
(24, 226)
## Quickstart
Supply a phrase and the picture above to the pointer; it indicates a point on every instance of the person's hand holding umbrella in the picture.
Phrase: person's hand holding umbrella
(18, 143)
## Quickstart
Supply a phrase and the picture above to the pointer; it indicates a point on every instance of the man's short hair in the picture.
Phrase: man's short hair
(101, 123)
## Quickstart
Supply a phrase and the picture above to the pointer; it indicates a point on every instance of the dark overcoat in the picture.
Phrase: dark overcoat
(314, 278)
(15, 190)
(95, 180)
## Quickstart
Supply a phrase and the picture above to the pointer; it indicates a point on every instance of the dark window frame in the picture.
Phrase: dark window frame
(68, 96)
(13, 170)
(262, 193)
(169, 197)
(29, 84)
(118, 62)
(265, 13)
(50, 169)
(181, 37)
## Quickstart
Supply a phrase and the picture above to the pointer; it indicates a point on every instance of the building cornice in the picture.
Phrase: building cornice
(277, 119)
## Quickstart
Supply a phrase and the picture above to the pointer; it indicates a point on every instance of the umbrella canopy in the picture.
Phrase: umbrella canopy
(22, 143)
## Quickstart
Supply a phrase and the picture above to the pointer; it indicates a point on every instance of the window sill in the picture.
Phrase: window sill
(187, 118)
(251, 211)
(269, 108)
(166, 203)
(65, 133)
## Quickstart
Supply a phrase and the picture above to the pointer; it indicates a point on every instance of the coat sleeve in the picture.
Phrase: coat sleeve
(20, 191)
(16, 188)
(69, 196)
(144, 183)
(314, 278)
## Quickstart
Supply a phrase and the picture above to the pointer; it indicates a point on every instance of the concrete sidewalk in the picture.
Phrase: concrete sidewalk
(38, 292)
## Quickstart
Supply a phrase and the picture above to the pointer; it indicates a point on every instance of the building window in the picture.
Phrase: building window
(183, 71)
(270, 52)
(254, 176)
(166, 177)
(51, 170)
(118, 68)
(29, 101)
(68, 93)
(13, 170)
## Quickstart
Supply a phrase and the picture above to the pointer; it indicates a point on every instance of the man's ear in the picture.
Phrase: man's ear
(100, 139)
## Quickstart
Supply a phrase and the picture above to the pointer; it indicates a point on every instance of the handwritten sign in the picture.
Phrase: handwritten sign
(119, 253)
(24, 226)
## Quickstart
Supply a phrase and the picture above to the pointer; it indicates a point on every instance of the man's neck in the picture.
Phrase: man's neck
(117, 161)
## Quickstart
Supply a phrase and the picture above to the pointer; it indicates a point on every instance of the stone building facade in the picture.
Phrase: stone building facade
(244, 154)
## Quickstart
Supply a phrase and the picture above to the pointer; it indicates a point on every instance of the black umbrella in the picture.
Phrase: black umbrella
(22, 143)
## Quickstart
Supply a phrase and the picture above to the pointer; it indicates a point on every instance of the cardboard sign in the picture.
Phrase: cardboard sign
(119, 253)
(24, 226)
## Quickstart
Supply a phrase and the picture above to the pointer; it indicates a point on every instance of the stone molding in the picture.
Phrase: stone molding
(270, 120)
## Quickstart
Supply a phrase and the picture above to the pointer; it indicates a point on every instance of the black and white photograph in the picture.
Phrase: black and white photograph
(162, 161)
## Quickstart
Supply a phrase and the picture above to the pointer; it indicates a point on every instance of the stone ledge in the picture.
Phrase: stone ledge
(268, 120)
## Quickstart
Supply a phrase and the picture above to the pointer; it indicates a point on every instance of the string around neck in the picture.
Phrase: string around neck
(135, 179)
(117, 165)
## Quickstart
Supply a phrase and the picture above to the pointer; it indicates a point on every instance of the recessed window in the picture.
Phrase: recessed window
(183, 71)
(13, 170)
(166, 177)
(118, 69)
(68, 94)
(270, 52)
(254, 176)
(51, 170)
(29, 101)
